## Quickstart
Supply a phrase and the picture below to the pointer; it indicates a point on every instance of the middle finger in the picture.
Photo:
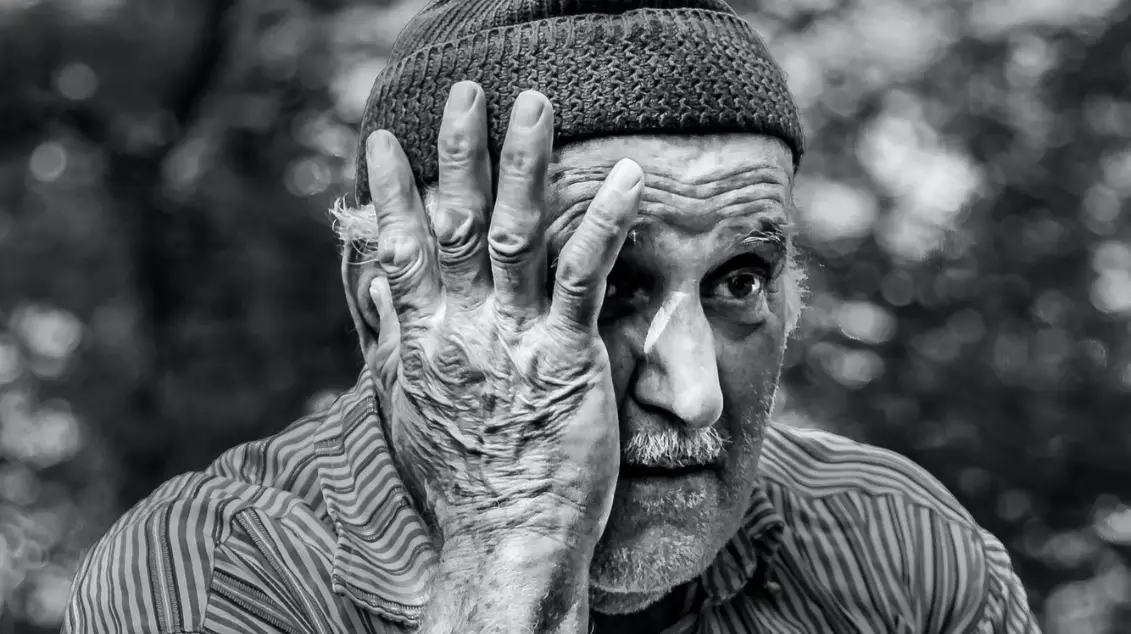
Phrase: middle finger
(516, 243)
(464, 193)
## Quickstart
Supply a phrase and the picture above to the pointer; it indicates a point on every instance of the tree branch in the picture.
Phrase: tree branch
(186, 95)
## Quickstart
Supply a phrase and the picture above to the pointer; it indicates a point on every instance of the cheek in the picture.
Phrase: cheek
(777, 303)
(749, 368)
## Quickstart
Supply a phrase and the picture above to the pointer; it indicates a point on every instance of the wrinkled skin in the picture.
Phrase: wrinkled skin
(694, 324)
(500, 405)
(715, 363)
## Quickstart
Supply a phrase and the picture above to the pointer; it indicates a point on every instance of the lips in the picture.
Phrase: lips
(640, 471)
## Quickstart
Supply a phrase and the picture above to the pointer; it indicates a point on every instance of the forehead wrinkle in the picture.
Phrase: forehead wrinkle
(568, 186)
(718, 180)
(773, 227)
(761, 197)
(709, 182)
(775, 224)
(559, 175)
(697, 215)
(671, 196)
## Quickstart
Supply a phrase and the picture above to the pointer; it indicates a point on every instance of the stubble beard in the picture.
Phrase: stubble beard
(622, 581)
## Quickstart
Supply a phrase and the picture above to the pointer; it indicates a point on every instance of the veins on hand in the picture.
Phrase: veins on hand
(483, 411)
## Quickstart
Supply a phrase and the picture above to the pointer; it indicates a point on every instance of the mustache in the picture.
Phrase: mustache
(674, 448)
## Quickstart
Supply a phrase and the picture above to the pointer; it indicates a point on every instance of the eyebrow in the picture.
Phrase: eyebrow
(772, 232)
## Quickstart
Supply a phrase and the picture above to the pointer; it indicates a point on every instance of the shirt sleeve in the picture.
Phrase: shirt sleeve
(965, 582)
(195, 566)
(1007, 606)
(148, 575)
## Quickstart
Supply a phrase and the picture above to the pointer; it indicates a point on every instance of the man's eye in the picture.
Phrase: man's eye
(739, 285)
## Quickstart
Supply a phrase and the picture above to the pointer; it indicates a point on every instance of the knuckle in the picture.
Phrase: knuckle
(520, 161)
(400, 257)
(460, 248)
(509, 246)
(457, 146)
(577, 288)
(571, 273)
(452, 360)
(572, 289)
(414, 361)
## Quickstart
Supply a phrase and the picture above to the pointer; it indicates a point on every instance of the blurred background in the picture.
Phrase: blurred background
(169, 285)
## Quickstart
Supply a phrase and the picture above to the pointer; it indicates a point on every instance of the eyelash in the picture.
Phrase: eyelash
(742, 262)
(724, 296)
(628, 277)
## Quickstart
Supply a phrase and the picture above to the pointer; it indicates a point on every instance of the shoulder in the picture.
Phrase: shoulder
(814, 463)
(877, 513)
(159, 566)
(286, 461)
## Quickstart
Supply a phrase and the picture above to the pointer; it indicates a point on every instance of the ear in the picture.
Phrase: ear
(371, 306)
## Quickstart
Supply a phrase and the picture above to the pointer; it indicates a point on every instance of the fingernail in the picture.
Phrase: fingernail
(462, 97)
(527, 110)
(626, 175)
(379, 292)
(379, 141)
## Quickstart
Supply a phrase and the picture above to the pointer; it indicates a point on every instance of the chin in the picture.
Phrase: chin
(661, 534)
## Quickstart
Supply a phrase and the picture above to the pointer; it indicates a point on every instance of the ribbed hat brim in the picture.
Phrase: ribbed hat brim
(643, 71)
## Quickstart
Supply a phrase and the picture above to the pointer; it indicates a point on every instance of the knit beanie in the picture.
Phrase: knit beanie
(609, 67)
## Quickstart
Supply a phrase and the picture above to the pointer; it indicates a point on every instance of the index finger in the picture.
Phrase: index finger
(590, 253)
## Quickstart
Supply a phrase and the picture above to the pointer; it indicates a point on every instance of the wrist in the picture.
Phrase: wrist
(517, 548)
(526, 579)
(536, 524)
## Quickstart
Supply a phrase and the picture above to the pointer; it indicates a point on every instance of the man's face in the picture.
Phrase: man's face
(695, 325)
(694, 321)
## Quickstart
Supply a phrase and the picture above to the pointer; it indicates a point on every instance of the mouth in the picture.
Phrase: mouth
(671, 473)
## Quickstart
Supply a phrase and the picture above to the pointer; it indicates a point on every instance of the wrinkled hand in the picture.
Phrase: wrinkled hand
(500, 402)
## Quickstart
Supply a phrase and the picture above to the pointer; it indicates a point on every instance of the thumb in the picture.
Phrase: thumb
(389, 334)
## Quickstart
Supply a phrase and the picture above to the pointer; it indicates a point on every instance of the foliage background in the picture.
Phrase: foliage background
(168, 287)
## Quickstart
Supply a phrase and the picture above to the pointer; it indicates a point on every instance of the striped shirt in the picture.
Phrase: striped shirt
(310, 531)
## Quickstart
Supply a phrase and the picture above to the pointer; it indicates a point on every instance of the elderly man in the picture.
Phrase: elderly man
(571, 354)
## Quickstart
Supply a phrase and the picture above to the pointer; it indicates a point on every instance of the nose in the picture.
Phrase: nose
(678, 371)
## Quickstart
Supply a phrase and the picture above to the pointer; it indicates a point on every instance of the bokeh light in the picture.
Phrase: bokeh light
(169, 285)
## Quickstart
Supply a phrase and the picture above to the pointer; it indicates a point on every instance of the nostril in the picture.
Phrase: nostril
(700, 407)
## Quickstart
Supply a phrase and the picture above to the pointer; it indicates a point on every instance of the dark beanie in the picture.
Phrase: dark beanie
(609, 67)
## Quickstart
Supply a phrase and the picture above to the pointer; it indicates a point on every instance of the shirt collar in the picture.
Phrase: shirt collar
(385, 557)
(749, 553)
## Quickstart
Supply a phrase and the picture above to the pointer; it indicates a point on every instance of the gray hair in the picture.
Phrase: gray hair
(357, 230)
(357, 226)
